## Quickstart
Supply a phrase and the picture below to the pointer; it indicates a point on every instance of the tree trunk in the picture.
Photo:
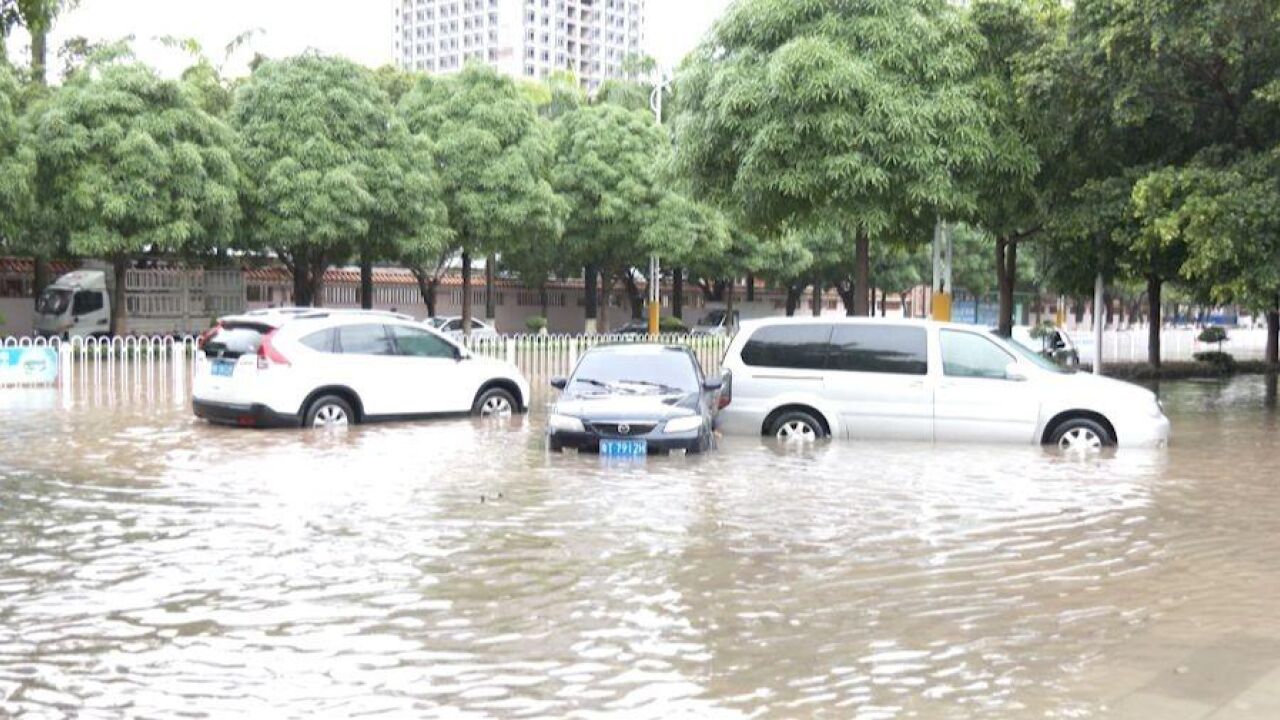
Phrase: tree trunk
(817, 298)
(39, 63)
(1273, 334)
(544, 302)
(590, 300)
(729, 322)
(466, 293)
(301, 286)
(751, 287)
(845, 291)
(606, 289)
(794, 293)
(677, 292)
(1006, 276)
(1153, 330)
(119, 318)
(884, 303)
(366, 282)
(490, 289)
(41, 279)
(634, 296)
(427, 288)
(862, 274)
(316, 277)
(902, 302)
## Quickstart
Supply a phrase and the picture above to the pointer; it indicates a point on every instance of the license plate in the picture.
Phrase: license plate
(223, 368)
(623, 448)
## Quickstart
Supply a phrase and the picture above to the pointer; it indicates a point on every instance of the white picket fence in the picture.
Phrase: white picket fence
(1176, 344)
(158, 368)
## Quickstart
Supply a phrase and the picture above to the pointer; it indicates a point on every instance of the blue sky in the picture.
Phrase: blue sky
(291, 26)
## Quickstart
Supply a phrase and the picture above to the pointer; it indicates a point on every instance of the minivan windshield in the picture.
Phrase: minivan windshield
(1039, 360)
(647, 373)
(53, 301)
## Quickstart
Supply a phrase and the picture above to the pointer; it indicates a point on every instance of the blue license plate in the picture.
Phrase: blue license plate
(623, 448)
(223, 368)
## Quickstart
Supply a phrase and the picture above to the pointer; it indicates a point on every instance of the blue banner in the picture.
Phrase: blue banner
(28, 366)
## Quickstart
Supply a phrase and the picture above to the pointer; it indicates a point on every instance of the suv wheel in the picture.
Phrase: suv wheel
(329, 411)
(494, 402)
(797, 426)
(1081, 434)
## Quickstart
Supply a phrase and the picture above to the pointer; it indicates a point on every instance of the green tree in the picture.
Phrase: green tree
(17, 165)
(494, 154)
(127, 163)
(330, 169)
(858, 115)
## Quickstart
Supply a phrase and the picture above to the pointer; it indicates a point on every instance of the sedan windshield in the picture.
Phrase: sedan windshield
(1038, 359)
(646, 373)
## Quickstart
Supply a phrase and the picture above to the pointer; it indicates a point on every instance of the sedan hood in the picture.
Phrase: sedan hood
(627, 407)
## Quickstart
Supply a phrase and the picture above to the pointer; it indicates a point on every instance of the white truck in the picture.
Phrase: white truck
(162, 301)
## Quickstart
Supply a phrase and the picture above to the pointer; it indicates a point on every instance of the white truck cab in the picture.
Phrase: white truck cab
(75, 305)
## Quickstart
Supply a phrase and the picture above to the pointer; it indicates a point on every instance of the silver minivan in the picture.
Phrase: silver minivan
(804, 379)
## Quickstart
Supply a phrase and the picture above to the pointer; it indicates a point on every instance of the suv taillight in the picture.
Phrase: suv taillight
(726, 390)
(268, 355)
(204, 336)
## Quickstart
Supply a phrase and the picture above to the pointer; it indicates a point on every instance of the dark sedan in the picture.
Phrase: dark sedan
(632, 400)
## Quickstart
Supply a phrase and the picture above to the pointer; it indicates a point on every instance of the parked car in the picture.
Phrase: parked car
(667, 326)
(335, 368)
(806, 379)
(452, 326)
(1052, 343)
(634, 399)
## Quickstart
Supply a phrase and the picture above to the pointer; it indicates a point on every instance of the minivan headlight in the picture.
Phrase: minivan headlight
(565, 423)
(684, 424)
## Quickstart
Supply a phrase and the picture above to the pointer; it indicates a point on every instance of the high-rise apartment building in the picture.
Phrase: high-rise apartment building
(522, 38)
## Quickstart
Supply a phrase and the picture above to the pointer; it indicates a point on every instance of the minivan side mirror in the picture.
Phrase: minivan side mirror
(460, 353)
(559, 383)
(1014, 371)
(712, 384)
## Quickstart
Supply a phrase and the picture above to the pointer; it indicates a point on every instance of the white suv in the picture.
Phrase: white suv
(804, 379)
(334, 368)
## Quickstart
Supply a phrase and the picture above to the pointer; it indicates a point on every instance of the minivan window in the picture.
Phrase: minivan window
(973, 356)
(803, 347)
(364, 340)
(87, 301)
(880, 349)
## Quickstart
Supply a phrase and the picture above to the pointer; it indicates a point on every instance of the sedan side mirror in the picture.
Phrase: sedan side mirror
(712, 384)
(559, 383)
(1014, 372)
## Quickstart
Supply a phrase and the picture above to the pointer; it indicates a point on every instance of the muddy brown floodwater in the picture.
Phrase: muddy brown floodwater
(154, 566)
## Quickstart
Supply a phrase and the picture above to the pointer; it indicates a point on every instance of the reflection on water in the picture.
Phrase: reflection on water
(153, 565)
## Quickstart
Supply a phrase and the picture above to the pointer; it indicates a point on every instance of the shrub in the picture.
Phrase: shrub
(1221, 361)
(1214, 334)
(674, 325)
(1041, 331)
(536, 323)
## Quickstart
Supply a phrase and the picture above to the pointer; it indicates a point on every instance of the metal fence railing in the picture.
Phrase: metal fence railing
(160, 368)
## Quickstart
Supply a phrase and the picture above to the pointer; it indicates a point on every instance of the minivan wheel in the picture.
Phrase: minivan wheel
(1081, 434)
(494, 402)
(797, 426)
(329, 411)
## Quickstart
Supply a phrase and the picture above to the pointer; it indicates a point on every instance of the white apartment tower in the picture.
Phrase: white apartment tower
(521, 38)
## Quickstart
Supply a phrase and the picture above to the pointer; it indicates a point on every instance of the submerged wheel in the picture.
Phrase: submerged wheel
(797, 426)
(1081, 434)
(329, 411)
(494, 402)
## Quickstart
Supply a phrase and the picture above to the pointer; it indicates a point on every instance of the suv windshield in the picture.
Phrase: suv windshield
(647, 373)
(53, 302)
(1040, 360)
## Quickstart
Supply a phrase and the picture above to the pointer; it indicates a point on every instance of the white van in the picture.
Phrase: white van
(865, 378)
(75, 305)
(717, 320)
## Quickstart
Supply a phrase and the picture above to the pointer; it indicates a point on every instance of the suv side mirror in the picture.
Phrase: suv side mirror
(1013, 371)
(559, 383)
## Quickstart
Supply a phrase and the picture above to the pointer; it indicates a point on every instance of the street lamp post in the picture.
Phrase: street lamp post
(655, 268)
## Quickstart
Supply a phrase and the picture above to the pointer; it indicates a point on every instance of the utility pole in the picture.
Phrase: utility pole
(655, 268)
(942, 272)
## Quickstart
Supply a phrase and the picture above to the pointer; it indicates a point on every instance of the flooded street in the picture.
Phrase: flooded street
(155, 566)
